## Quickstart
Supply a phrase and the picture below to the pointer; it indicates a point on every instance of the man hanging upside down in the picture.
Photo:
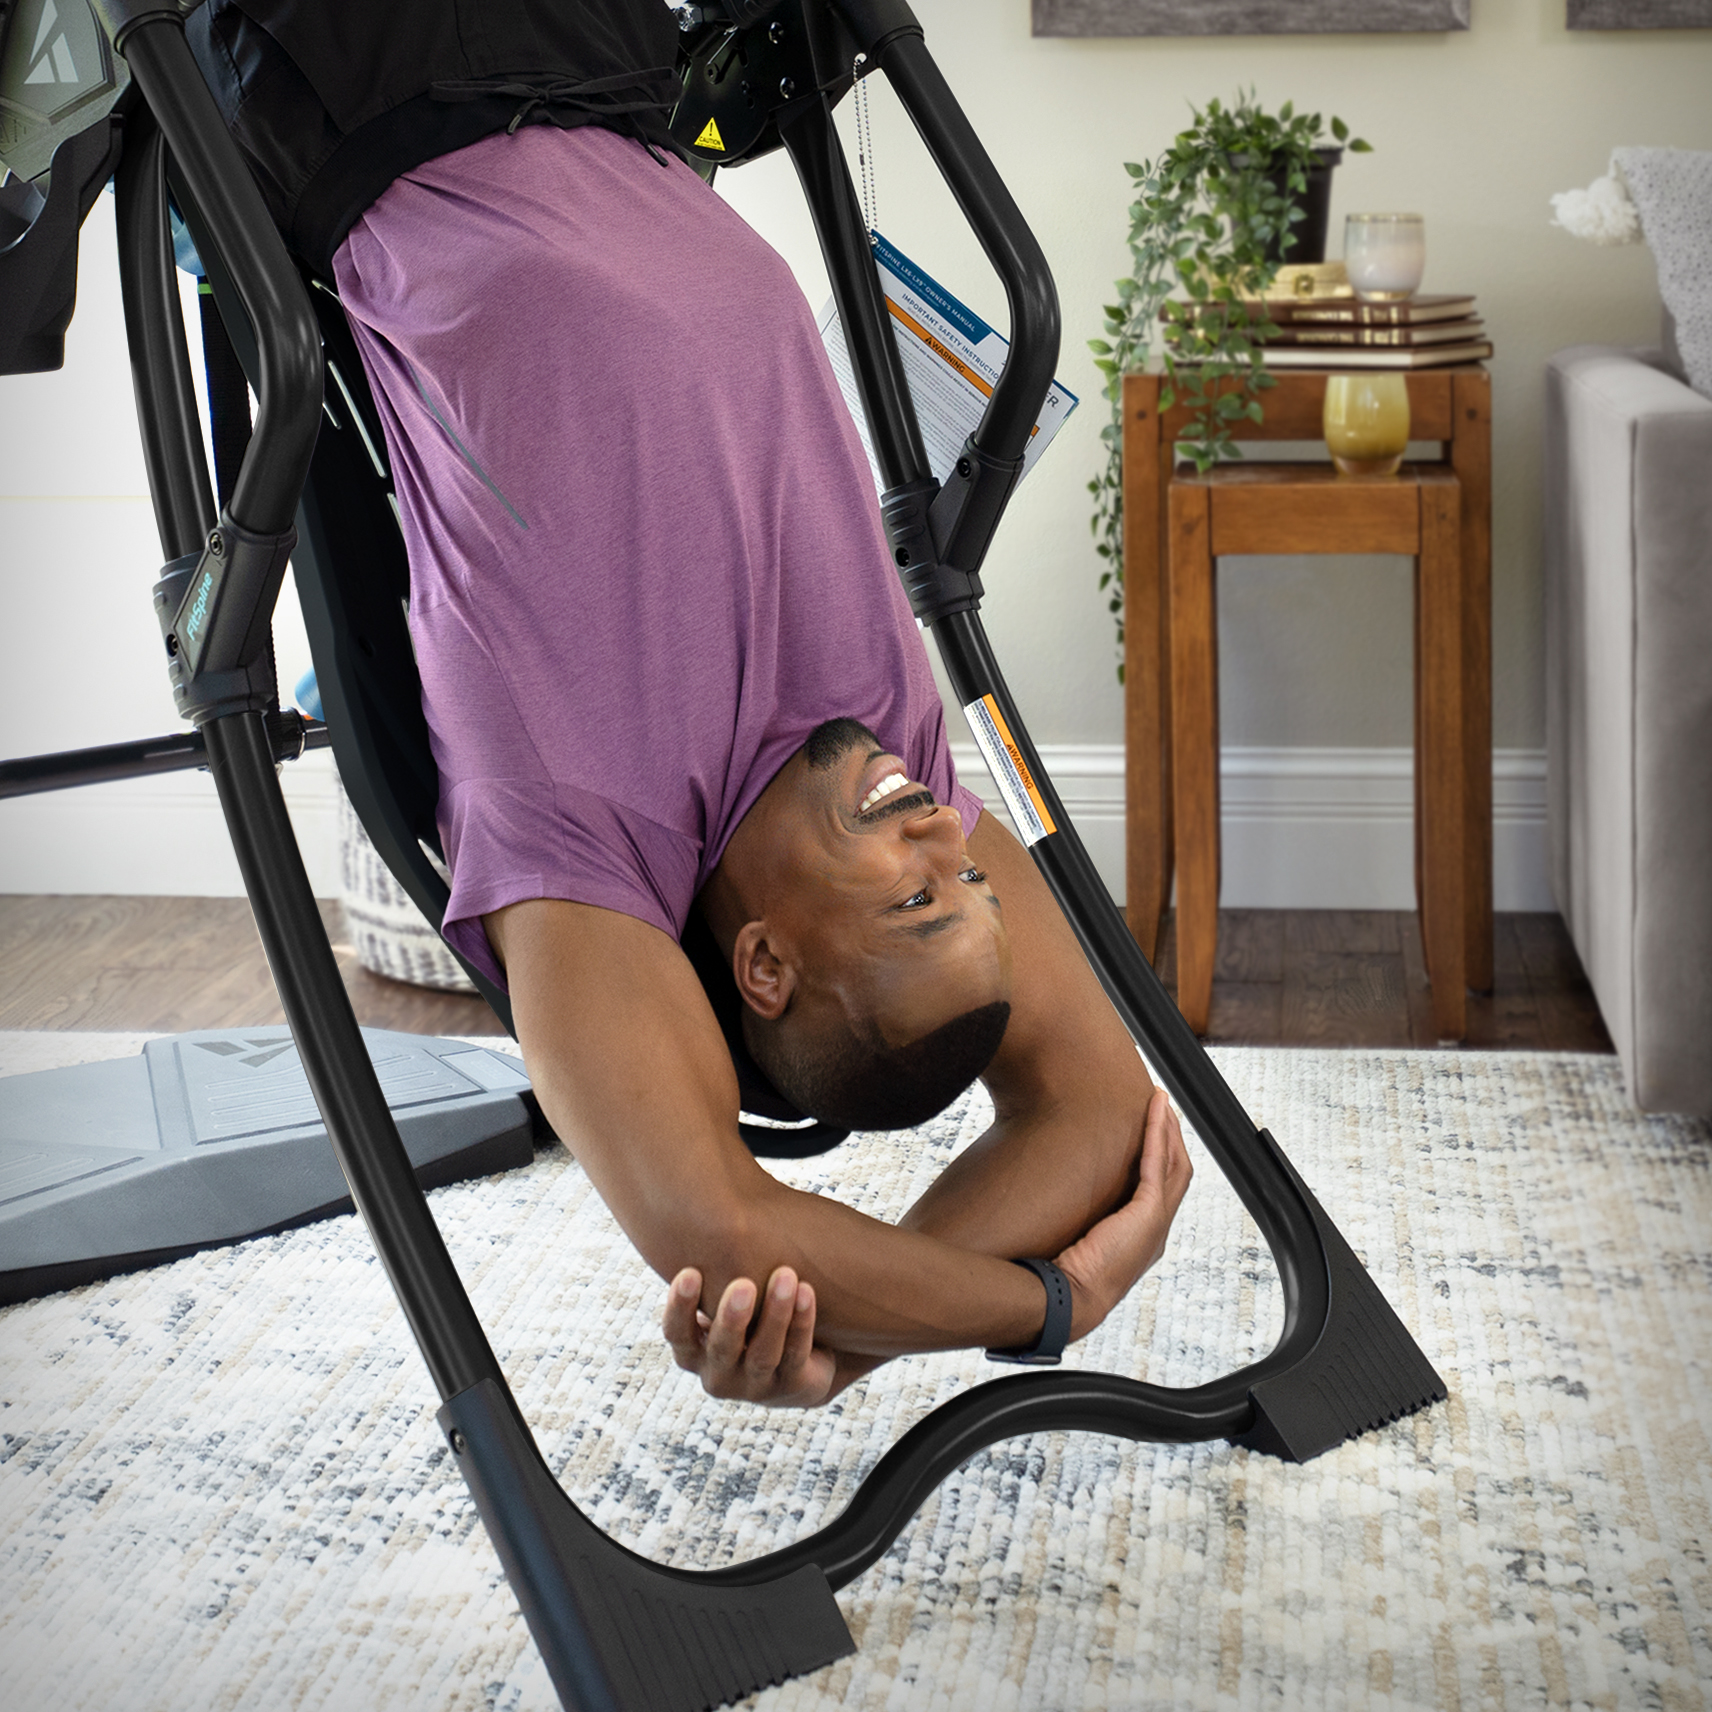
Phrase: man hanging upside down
(674, 685)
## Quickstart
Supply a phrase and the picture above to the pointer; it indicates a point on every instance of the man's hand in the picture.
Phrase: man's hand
(769, 1359)
(1104, 1265)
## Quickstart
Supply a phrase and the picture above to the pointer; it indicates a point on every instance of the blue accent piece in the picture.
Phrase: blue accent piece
(307, 695)
(184, 248)
(958, 314)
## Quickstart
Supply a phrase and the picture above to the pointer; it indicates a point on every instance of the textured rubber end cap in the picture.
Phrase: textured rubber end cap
(671, 1644)
(618, 1633)
(1365, 1371)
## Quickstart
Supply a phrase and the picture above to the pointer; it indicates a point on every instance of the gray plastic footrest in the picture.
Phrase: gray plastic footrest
(618, 1633)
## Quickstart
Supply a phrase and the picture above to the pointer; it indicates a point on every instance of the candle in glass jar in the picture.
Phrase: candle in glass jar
(1386, 254)
(1366, 422)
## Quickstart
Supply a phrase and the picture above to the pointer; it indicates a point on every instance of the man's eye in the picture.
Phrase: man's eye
(972, 875)
(920, 900)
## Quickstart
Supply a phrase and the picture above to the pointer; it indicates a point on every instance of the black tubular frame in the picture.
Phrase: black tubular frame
(154, 331)
(290, 734)
(616, 1631)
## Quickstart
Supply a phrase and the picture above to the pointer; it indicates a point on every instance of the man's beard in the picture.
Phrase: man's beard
(829, 743)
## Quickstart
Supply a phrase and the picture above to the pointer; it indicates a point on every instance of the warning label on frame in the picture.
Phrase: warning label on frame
(1010, 771)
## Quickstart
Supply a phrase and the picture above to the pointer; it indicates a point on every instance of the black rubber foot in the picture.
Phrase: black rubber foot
(620, 1634)
(1364, 1371)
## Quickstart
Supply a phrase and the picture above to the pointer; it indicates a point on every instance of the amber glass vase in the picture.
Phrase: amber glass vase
(1367, 422)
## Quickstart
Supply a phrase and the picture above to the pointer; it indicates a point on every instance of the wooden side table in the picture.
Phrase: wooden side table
(1451, 406)
(1308, 508)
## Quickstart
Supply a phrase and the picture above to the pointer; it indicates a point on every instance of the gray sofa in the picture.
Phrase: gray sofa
(1628, 589)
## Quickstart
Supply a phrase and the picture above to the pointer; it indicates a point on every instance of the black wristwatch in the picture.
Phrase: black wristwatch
(1047, 1350)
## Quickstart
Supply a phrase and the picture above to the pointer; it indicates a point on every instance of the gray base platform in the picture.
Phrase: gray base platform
(207, 1138)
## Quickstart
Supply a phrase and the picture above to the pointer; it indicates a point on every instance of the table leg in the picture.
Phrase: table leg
(1194, 745)
(1420, 819)
(1167, 825)
(1471, 457)
(1147, 810)
(1441, 754)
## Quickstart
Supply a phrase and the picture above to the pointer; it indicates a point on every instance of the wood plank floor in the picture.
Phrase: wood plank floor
(1357, 978)
(1284, 977)
(169, 964)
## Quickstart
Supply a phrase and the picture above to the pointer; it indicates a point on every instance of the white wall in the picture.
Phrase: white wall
(78, 557)
(1474, 130)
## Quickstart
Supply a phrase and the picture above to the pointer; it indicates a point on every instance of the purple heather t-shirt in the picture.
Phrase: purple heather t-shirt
(645, 552)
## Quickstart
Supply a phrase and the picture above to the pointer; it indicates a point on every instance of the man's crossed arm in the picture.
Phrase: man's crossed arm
(781, 1296)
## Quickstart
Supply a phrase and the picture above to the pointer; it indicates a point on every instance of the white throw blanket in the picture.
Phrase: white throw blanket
(1663, 196)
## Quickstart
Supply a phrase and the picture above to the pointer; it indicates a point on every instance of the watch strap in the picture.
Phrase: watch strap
(1047, 1350)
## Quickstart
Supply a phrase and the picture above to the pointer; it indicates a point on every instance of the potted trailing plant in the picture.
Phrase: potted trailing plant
(1215, 217)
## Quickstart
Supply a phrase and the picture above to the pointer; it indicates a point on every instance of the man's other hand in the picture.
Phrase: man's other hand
(769, 1358)
(1106, 1263)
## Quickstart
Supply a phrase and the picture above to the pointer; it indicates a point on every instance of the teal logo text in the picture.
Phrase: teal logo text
(198, 612)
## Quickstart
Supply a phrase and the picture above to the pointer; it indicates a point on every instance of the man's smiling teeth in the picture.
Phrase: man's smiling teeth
(891, 782)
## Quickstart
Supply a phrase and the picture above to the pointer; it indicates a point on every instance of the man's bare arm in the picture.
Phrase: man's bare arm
(767, 1354)
(1070, 1092)
(633, 1072)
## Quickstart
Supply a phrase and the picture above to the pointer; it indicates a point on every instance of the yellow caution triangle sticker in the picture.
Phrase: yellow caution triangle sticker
(710, 137)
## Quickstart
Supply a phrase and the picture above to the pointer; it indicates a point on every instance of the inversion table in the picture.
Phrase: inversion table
(618, 1633)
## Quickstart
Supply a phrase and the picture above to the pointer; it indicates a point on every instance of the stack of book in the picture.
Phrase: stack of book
(1346, 332)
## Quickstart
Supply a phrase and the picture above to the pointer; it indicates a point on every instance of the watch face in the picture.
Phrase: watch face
(58, 76)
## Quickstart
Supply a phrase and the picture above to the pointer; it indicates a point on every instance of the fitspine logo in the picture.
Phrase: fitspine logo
(199, 609)
(50, 57)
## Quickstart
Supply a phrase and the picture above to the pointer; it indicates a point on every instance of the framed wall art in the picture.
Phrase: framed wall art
(1639, 15)
(1265, 17)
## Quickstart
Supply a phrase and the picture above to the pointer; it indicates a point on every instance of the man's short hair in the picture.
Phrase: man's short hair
(851, 1077)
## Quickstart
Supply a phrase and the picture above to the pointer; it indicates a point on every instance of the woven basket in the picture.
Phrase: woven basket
(388, 932)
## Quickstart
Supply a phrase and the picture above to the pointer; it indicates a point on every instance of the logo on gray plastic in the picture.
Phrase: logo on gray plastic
(50, 58)
(262, 1051)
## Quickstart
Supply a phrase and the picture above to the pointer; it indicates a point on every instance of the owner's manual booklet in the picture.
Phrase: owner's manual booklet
(951, 358)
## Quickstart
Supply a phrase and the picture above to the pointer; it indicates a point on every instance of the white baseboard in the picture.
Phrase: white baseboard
(159, 837)
(1303, 828)
(1308, 828)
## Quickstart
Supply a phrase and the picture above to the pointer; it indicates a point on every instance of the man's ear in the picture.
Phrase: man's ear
(764, 977)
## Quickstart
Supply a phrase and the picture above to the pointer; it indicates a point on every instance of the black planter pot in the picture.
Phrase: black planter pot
(1309, 232)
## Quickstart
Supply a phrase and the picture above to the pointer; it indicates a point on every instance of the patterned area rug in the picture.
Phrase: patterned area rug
(221, 1486)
